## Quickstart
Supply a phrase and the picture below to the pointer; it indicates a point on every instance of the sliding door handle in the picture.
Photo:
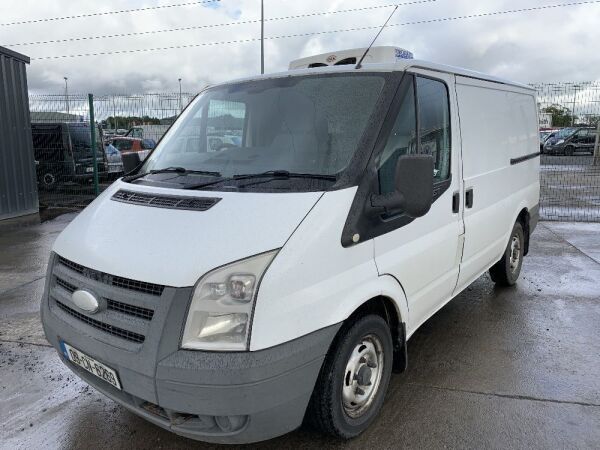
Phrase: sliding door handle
(469, 198)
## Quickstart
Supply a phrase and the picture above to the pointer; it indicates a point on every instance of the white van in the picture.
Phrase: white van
(279, 279)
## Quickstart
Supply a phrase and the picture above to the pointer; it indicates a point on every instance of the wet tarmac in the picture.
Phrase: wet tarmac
(495, 368)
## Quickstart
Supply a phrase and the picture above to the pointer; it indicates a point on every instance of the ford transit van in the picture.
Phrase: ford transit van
(278, 279)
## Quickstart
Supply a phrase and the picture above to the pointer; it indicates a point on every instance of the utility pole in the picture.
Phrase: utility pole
(114, 115)
(575, 88)
(596, 161)
(66, 93)
(262, 36)
(180, 104)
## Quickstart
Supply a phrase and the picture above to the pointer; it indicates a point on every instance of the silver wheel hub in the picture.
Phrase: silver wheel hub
(362, 376)
(515, 253)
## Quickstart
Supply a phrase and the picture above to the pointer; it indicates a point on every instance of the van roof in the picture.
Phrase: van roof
(400, 65)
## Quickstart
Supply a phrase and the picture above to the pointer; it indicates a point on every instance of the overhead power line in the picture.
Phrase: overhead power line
(199, 27)
(315, 33)
(107, 13)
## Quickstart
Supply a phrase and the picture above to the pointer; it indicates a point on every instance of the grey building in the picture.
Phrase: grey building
(18, 184)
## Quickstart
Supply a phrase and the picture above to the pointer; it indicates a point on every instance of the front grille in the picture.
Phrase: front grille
(110, 329)
(113, 280)
(67, 286)
(166, 201)
(136, 311)
(71, 265)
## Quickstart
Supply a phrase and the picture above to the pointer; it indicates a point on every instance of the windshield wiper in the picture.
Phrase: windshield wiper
(181, 170)
(271, 174)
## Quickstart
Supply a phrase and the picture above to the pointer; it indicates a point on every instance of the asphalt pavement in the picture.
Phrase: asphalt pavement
(495, 368)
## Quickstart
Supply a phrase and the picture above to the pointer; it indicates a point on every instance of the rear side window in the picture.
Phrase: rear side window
(434, 124)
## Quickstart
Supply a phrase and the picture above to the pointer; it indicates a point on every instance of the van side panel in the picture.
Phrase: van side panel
(498, 124)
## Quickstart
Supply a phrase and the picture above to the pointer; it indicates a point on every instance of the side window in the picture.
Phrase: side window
(123, 145)
(434, 124)
(402, 139)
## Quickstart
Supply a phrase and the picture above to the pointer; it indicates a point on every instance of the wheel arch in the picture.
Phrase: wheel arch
(523, 218)
(391, 305)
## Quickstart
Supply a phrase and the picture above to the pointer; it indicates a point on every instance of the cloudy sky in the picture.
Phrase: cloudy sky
(557, 44)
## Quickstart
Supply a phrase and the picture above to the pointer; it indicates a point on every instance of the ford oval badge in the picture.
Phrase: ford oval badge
(86, 301)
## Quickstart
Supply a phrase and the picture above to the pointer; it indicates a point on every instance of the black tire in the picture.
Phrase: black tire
(48, 180)
(327, 410)
(569, 151)
(506, 271)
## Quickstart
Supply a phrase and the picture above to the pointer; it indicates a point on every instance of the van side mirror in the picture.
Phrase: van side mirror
(414, 187)
(130, 161)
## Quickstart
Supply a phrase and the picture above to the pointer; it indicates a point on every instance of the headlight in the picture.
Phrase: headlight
(222, 303)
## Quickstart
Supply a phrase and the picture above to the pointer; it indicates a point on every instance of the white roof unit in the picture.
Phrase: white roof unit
(383, 54)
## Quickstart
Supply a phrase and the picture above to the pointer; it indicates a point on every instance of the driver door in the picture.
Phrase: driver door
(424, 254)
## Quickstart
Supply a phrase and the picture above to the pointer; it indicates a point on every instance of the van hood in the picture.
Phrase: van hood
(176, 247)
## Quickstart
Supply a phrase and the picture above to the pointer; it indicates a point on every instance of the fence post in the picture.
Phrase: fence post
(597, 146)
(93, 139)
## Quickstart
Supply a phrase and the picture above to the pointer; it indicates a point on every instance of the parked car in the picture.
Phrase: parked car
(130, 144)
(569, 141)
(154, 132)
(281, 279)
(114, 161)
(544, 135)
(63, 152)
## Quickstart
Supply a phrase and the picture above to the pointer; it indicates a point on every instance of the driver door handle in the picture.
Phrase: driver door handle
(455, 202)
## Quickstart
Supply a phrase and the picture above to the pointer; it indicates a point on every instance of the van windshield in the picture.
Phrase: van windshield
(310, 125)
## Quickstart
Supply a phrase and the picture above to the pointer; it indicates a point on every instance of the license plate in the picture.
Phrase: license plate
(89, 169)
(90, 364)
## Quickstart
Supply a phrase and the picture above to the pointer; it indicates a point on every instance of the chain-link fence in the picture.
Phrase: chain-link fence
(570, 162)
(71, 174)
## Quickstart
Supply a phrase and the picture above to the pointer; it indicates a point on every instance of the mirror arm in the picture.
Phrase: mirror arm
(384, 203)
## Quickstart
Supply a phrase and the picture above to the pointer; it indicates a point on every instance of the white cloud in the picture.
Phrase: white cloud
(548, 45)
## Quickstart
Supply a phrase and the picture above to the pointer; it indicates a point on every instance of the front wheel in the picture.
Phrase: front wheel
(506, 271)
(351, 387)
(569, 151)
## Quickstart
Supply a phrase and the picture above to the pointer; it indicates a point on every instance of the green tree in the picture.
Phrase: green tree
(129, 121)
(561, 115)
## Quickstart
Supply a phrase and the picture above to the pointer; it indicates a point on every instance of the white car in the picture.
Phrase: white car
(114, 160)
(282, 278)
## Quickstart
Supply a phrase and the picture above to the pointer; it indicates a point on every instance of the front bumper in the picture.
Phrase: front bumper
(221, 397)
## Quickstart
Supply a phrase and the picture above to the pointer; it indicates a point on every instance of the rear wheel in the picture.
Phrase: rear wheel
(506, 271)
(351, 387)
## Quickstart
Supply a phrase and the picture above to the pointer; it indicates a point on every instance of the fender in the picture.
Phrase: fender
(384, 286)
